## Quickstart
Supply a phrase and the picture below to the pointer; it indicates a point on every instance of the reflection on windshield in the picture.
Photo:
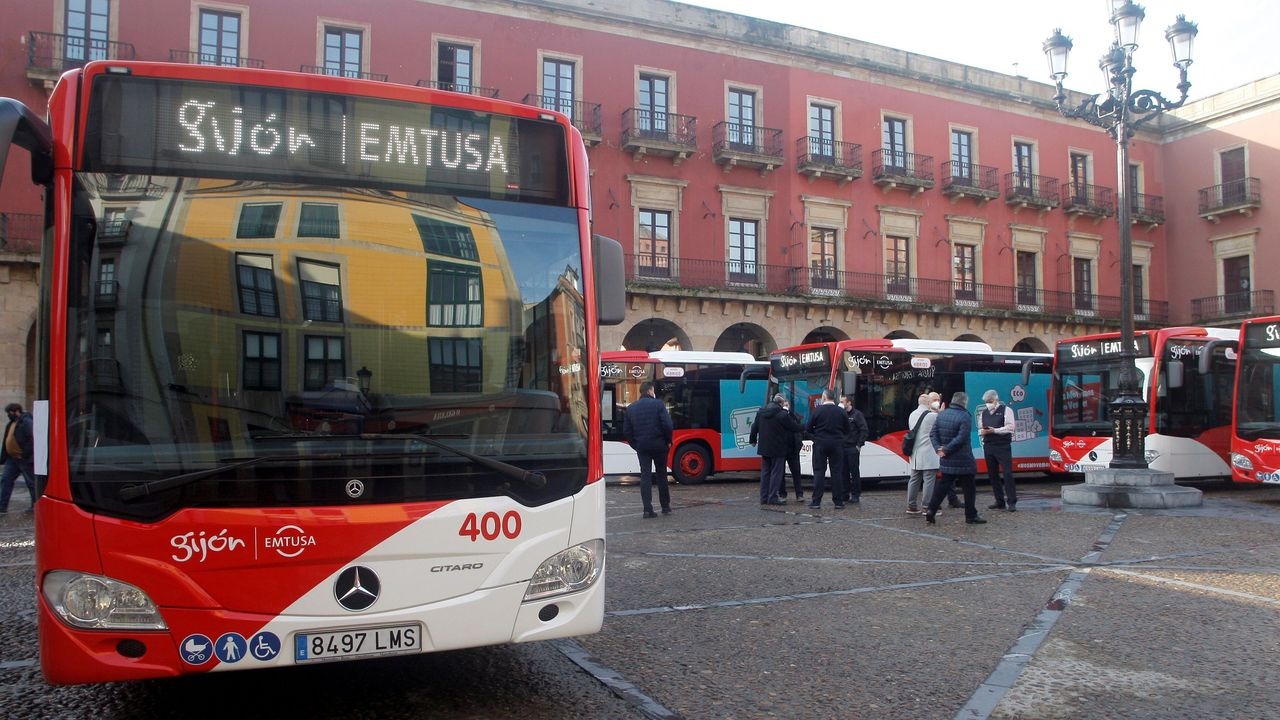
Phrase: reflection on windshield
(209, 316)
(1082, 395)
(1257, 413)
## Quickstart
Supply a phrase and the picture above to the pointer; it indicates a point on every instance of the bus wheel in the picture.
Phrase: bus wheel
(692, 464)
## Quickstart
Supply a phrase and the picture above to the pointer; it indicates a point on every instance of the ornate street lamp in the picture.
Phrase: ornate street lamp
(364, 377)
(1120, 111)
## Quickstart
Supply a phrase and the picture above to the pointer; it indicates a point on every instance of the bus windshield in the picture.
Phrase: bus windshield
(213, 321)
(1258, 394)
(1082, 395)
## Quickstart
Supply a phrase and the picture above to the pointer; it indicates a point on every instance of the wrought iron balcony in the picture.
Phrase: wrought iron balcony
(650, 132)
(51, 54)
(734, 144)
(1034, 191)
(1242, 196)
(335, 72)
(586, 116)
(817, 156)
(961, 179)
(649, 271)
(1233, 306)
(1086, 199)
(1147, 209)
(21, 232)
(199, 58)
(465, 88)
(893, 168)
(106, 295)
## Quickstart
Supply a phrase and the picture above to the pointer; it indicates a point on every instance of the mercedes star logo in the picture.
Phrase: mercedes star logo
(356, 588)
(355, 488)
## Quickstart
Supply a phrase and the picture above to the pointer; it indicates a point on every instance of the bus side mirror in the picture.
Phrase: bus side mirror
(611, 280)
(1206, 355)
(1176, 373)
(1026, 373)
(848, 382)
(19, 125)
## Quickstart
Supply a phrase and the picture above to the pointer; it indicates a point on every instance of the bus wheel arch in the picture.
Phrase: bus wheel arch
(691, 463)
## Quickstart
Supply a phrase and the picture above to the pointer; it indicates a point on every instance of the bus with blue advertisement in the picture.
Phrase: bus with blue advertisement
(712, 397)
(887, 376)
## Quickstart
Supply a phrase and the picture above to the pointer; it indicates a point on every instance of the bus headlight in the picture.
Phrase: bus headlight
(1055, 456)
(95, 602)
(1151, 455)
(567, 571)
(1242, 462)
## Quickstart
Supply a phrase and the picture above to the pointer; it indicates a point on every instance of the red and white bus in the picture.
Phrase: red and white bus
(887, 377)
(318, 376)
(1255, 424)
(712, 397)
(1188, 399)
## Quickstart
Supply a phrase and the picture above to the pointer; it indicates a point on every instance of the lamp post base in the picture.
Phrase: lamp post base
(1131, 488)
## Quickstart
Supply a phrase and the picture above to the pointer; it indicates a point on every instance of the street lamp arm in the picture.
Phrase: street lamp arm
(1147, 104)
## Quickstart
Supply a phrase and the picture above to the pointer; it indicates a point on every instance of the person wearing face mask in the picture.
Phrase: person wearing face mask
(924, 456)
(853, 442)
(935, 406)
(996, 426)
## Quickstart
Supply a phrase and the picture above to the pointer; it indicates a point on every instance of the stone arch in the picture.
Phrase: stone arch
(901, 335)
(1031, 344)
(826, 333)
(969, 337)
(656, 334)
(746, 337)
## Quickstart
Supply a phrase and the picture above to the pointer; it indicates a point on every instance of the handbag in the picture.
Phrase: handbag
(909, 440)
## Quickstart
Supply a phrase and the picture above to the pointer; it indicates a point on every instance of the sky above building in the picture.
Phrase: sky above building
(1232, 48)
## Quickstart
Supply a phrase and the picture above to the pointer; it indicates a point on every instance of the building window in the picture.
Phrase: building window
(258, 220)
(321, 291)
(742, 119)
(1080, 178)
(454, 296)
(964, 271)
(324, 361)
(822, 258)
(654, 235)
(822, 131)
(651, 119)
(897, 265)
(743, 238)
(456, 364)
(262, 361)
(454, 67)
(1236, 284)
(103, 343)
(895, 143)
(342, 52)
(219, 38)
(1028, 290)
(1023, 167)
(114, 223)
(557, 85)
(257, 282)
(318, 220)
(1135, 188)
(1083, 275)
(446, 238)
(1139, 292)
(961, 157)
(88, 24)
(1231, 169)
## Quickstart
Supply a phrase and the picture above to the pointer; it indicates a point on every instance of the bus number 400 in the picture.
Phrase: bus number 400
(490, 526)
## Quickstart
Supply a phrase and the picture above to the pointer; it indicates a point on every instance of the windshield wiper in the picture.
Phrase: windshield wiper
(532, 478)
(133, 492)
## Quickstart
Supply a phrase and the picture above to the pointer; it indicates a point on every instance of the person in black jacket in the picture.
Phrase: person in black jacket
(828, 426)
(647, 426)
(853, 443)
(771, 434)
(17, 453)
(793, 457)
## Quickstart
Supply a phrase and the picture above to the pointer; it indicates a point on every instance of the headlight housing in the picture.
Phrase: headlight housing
(94, 602)
(571, 570)
(1241, 461)
(1055, 456)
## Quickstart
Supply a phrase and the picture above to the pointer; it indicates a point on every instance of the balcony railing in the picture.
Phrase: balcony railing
(651, 271)
(586, 116)
(53, 53)
(961, 179)
(465, 88)
(818, 156)
(895, 167)
(353, 74)
(1233, 305)
(107, 294)
(649, 132)
(20, 232)
(738, 144)
(198, 58)
(1086, 199)
(1243, 196)
(1146, 209)
(1027, 190)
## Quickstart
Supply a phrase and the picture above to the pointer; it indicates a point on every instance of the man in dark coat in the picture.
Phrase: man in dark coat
(950, 435)
(828, 427)
(647, 426)
(793, 458)
(17, 454)
(771, 434)
(853, 442)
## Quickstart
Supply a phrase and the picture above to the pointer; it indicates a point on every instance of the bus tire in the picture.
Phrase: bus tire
(691, 464)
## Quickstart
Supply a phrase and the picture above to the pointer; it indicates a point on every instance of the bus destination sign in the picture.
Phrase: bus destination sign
(1262, 334)
(800, 361)
(1086, 350)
